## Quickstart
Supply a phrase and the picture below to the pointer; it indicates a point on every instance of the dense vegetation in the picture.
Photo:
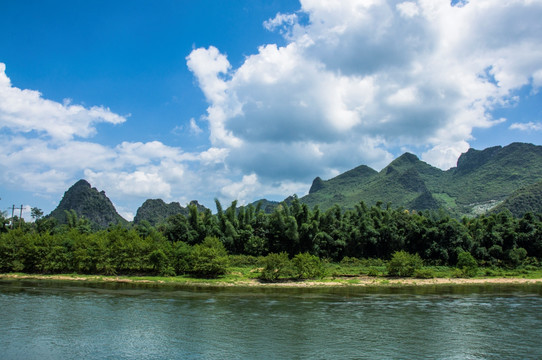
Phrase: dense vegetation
(292, 241)
(86, 201)
(481, 180)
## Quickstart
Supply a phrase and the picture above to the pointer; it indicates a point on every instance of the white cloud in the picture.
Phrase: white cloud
(529, 126)
(26, 110)
(140, 183)
(388, 73)
(194, 128)
(355, 80)
(408, 9)
(280, 20)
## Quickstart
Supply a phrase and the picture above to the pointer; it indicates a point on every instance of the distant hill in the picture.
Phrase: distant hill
(267, 206)
(524, 200)
(481, 180)
(508, 177)
(88, 202)
(156, 211)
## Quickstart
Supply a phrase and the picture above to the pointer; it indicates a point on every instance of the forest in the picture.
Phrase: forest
(203, 244)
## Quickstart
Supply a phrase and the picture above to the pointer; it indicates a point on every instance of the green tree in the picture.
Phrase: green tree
(275, 266)
(307, 266)
(467, 263)
(36, 213)
(404, 264)
(208, 259)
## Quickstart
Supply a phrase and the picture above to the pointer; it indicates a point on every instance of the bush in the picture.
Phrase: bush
(404, 264)
(275, 266)
(160, 263)
(467, 263)
(424, 273)
(350, 261)
(182, 253)
(308, 266)
(516, 256)
(243, 260)
(373, 271)
(208, 259)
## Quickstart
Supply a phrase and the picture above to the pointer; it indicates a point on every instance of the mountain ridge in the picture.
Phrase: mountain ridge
(498, 177)
(87, 202)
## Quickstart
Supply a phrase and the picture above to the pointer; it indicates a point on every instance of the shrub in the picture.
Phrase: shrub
(373, 271)
(404, 264)
(308, 266)
(350, 261)
(208, 259)
(424, 273)
(467, 263)
(275, 266)
(516, 256)
(181, 261)
(160, 263)
(243, 260)
(458, 273)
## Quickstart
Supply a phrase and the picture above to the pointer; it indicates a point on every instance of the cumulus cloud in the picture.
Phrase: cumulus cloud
(45, 148)
(355, 81)
(27, 110)
(361, 78)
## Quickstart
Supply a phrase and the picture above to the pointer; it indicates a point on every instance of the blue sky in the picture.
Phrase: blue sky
(184, 100)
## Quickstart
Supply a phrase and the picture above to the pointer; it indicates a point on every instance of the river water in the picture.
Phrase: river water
(66, 320)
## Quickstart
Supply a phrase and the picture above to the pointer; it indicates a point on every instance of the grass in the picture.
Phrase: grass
(353, 274)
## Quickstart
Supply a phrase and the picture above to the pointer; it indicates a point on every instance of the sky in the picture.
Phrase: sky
(243, 100)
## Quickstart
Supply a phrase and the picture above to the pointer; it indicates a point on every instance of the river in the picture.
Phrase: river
(71, 320)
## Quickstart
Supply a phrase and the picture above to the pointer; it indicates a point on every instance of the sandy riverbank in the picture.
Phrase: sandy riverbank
(328, 282)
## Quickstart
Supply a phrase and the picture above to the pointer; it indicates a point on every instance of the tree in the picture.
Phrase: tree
(467, 263)
(208, 259)
(36, 213)
(275, 266)
(404, 264)
(307, 266)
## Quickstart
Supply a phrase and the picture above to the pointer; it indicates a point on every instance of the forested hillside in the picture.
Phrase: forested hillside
(522, 201)
(156, 211)
(200, 241)
(480, 181)
(82, 200)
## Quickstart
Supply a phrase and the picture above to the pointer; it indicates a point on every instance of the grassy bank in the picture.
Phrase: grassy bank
(336, 275)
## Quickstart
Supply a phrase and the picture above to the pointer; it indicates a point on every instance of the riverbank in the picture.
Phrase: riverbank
(359, 281)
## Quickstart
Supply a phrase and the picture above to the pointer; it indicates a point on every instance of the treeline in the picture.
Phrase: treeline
(200, 242)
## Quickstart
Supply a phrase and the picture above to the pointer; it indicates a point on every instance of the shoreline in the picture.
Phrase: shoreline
(354, 282)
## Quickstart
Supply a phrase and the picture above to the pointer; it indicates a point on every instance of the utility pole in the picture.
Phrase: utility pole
(21, 216)
(13, 208)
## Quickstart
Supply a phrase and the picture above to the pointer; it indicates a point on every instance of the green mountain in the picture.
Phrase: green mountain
(87, 202)
(508, 177)
(267, 206)
(481, 180)
(524, 200)
(156, 211)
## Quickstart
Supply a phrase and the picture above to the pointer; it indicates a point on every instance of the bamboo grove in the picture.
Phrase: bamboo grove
(182, 243)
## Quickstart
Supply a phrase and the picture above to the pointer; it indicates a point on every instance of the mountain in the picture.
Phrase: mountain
(524, 200)
(88, 202)
(267, 206)
(486, 177)
(404, 182)
(481, 180)
(156, 211)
